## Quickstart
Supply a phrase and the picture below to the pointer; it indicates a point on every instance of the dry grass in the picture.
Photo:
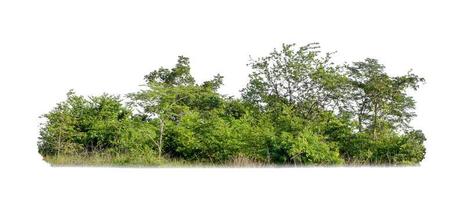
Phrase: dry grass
(126, 160)
(151, 160)
(242, 161)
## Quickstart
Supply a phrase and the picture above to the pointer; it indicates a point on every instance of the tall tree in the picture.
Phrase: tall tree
(381, 101)
(171, 93)
(300, 77)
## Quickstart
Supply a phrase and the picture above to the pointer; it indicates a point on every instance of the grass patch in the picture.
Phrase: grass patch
(141, 160)
(128, 160)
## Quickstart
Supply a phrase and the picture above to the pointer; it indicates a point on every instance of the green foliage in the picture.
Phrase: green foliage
(389, 149)
(213, 138)
(381, 101)
(80, 125)
(298, 108)
(305, 148)
(300, 77)
(179, 75)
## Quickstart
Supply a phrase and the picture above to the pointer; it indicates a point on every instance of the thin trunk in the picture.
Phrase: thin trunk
(160, 142)
(59, 145)
(360, 122)
(360, 119)
(375, 120)
(289, 91)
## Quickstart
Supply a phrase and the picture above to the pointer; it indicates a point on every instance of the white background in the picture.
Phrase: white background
(48, 47)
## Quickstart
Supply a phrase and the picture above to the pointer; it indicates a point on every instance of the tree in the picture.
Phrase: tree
(172, 93)
(299, 77)
(381, 101)
(59, 130)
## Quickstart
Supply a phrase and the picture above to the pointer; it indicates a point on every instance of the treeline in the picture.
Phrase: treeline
(298, 108)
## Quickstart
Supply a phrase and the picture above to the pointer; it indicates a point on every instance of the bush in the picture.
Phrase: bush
(84, 125)
(389, 148)
(216, 139)
(304, 148)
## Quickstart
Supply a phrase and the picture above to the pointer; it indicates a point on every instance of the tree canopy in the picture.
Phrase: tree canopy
(298, 108)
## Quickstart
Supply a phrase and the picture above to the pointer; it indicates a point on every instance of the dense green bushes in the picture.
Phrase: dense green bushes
(298, 108)
(82, 125)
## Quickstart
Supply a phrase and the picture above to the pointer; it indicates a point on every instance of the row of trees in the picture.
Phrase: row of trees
(298, 108)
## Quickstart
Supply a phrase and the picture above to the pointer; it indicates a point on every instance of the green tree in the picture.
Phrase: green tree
(300, 77)
(381, 101)
(172, 93)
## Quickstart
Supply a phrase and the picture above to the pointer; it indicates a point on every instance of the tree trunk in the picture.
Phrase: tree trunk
(160, 142)
(375, 121)
(59, 145)
(360, 119)
(360, 122)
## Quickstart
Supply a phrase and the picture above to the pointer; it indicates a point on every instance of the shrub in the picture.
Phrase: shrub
(304, 148)
(389, 148)
(84, 125)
